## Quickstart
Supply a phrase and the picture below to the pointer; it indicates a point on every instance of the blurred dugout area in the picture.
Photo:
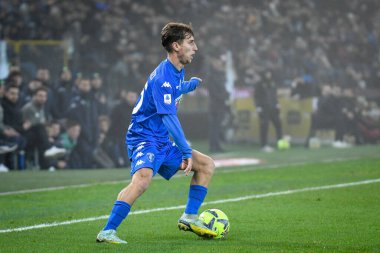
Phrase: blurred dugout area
(295, 116)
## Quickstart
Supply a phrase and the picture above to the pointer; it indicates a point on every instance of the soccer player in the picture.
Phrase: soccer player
(154, 117)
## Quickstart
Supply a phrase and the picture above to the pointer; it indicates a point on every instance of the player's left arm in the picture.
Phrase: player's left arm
(189, 86)
(173, 125)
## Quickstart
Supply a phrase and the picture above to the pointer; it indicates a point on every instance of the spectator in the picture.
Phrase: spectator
(34, 115)
(68, 140)
(27, 93)
(99, 94)
(7, 133)
(268, 109)
(34, 111)
(218, 109)
(8, 136)
(14, 125)
(350, 115)
(101, 155)
(120, 119)
(43, 74)
(84, 111)
(64, 93)
(15, 78)
(53, 129)
(328, 116)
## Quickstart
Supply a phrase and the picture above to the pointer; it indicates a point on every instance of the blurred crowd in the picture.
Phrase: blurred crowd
(66, 123)
(307, 45)
(325, 41)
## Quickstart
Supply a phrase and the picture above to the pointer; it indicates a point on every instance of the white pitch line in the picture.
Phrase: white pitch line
(221, 201)
(274, 166)
(55, 188)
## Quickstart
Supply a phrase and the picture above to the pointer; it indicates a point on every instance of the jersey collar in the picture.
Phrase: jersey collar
(175, 70)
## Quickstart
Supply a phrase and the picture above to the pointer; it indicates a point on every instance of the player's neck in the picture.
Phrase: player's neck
(175, 61)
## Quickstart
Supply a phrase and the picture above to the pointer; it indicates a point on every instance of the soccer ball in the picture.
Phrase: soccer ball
(283, 144)
(217, 221)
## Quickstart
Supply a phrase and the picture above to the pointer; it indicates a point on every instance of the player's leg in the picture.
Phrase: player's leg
(140, 182)
(146, 159)
(203, 167)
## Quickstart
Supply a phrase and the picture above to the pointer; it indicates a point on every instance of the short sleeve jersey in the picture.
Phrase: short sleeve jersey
(161, 95)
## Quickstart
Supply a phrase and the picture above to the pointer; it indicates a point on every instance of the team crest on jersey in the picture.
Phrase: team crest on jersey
(150, 157)
(168, 99)
(166, 85)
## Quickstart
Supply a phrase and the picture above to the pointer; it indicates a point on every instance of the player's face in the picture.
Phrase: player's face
(187, 50)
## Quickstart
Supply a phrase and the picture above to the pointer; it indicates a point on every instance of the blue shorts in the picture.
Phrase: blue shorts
(164, 159)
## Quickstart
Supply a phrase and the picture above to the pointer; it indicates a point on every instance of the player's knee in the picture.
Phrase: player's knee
(142, 185)
(142, 180)
(209, 166)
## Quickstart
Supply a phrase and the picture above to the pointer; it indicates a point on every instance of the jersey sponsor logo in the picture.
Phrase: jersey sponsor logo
(139, 162)
(139, 147)
(166, 85)
(139, 154)
(168, 99)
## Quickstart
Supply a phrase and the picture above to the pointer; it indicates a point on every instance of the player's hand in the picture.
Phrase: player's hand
(187, 165)
(196, 80)
(189, 86)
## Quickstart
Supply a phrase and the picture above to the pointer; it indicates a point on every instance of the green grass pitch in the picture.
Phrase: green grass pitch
(264, 216)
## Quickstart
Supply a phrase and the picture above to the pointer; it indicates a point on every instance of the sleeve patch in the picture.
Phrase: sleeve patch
(167, 99)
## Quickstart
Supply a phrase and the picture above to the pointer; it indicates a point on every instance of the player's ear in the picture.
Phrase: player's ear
(176, 46)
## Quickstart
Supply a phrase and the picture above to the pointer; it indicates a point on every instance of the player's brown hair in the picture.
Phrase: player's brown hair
(174, 32)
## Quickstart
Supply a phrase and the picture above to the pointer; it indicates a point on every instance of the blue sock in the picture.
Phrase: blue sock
(119, 211)
(197, 194)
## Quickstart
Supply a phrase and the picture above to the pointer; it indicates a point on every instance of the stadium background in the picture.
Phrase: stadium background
(320, 42)
(296, 200)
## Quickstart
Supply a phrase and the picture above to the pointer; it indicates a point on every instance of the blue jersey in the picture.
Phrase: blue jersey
(161, 95)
